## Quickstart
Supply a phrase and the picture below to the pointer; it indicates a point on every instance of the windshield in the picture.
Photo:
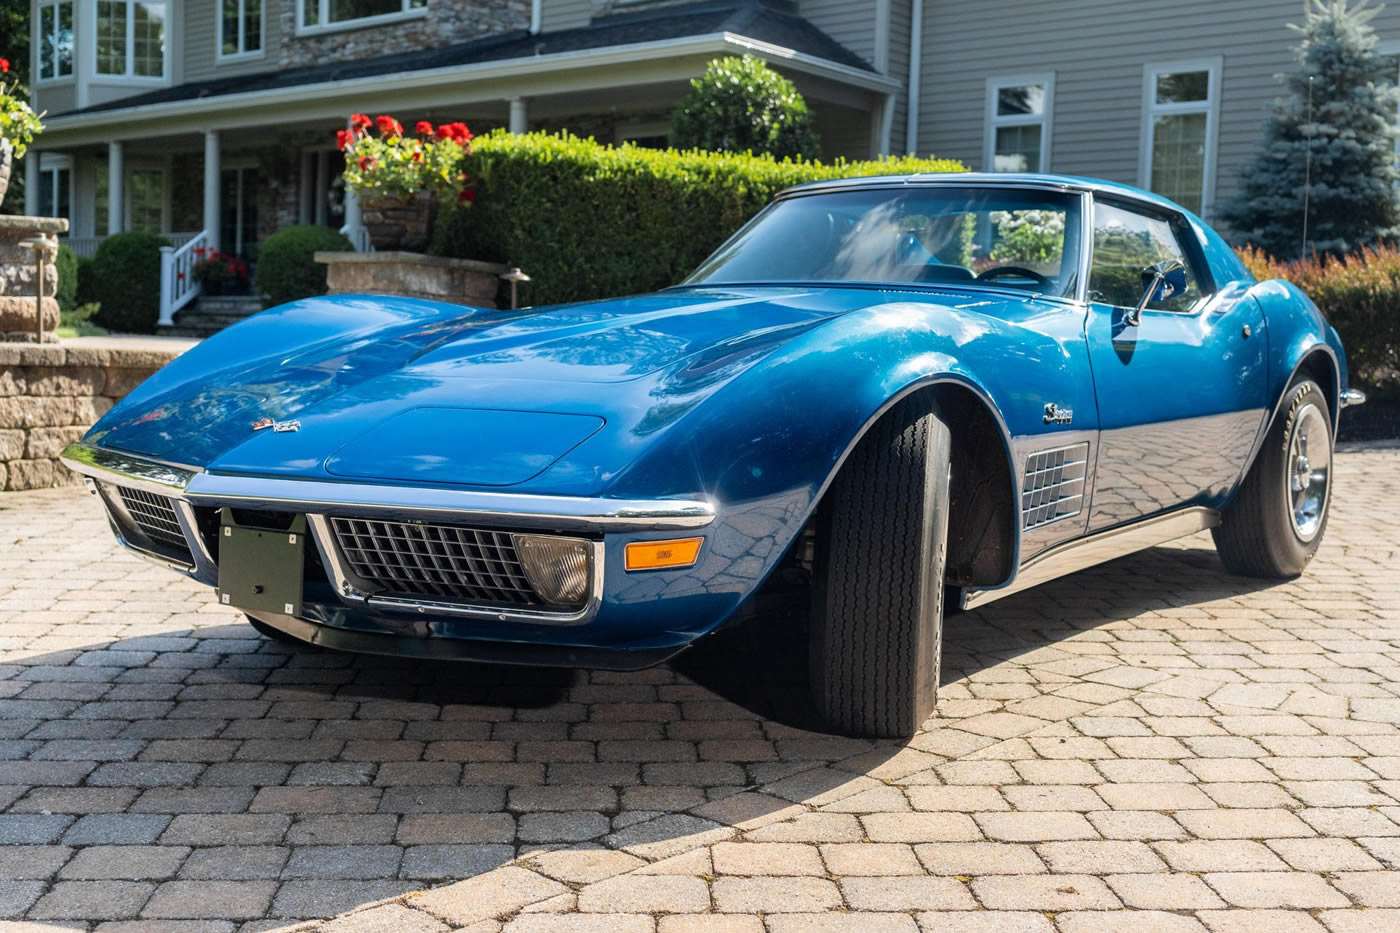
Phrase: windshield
(1004, 237)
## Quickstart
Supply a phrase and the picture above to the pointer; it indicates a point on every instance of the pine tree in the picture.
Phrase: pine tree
(1351, 177)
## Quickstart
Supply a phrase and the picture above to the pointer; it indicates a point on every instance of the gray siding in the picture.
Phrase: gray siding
(565, 14)
(851, 24)
(1097, 50)
(198, 52)
(899, 68)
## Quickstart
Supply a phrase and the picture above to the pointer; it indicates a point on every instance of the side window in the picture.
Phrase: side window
(1125, 243)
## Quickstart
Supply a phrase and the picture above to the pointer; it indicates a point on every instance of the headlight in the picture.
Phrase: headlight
(560, 569)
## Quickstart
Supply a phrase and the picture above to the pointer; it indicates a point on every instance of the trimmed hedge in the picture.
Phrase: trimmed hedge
(287, 269)
(126, 282)
(1360, 296)
(589, 221)
(67, 264)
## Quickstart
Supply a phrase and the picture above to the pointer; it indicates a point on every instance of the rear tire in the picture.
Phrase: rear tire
(1276, 521)
(878, 578)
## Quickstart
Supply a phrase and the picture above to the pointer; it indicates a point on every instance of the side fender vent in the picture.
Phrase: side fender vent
(1053, 487)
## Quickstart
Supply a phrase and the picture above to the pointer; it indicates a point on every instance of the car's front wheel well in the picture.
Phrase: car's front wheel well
(1321, 368)
(981, 533)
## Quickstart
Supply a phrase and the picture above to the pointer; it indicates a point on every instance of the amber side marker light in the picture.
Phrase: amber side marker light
(662, 555)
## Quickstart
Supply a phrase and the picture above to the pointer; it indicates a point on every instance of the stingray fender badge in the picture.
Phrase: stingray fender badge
(278, 427)
(1054, 414)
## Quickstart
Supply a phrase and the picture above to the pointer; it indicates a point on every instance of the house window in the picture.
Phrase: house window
(1018, 123)
(131, 38)
(1181, 106)
(146, 200)
(324, 13)
(55, 39)
(55, 187)
(240, 27)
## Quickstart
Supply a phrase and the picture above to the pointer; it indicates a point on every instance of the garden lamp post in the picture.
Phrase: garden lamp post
(40, 245)
(514, 277)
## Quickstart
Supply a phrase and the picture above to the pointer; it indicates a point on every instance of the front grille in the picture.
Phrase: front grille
(437, 562)
(154, 522)
(1054, 485)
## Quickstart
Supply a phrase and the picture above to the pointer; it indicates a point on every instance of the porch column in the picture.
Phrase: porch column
(211, 188)
(31, 182)
(519, 115)
(322, 184)
(116, 175)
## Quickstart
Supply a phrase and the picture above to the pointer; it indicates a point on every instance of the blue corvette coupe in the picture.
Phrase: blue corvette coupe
(901, 390)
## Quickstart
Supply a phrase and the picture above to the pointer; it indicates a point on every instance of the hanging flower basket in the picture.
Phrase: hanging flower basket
(6, 155)
(18, 126)
(401, 179)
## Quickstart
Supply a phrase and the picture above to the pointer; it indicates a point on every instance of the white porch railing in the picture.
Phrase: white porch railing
(177, 285)
(358, 235)
(86, 246)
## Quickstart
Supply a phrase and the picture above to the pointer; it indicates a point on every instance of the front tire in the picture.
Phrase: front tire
(877, 614)
(1276, 522)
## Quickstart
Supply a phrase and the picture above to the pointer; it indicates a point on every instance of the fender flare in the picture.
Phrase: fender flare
(1307, 354)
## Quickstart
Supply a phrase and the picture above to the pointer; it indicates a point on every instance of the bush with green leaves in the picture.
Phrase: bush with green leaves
(589, 221)
(126, 282)
(287, 268)
(742, 105)
(67, 264)
(86, 293)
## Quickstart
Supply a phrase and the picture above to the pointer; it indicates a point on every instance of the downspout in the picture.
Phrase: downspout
(536, 16)
(916, 54)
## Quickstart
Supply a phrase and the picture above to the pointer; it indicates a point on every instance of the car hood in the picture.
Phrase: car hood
(504, 393)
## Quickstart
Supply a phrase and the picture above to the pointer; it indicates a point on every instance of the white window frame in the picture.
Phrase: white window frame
(38, 41)
(130, 75)
(54, 163)
(323, 24)
(992, 122)
(1214, 67)
(242, 54)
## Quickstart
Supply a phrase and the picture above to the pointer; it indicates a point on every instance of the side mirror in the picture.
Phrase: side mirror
(1160, 281)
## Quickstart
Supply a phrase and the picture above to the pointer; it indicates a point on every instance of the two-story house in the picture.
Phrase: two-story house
(216, 117)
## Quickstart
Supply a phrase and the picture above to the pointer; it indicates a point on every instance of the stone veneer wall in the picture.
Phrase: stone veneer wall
(444, 23)
(18, 275)
(51, 394)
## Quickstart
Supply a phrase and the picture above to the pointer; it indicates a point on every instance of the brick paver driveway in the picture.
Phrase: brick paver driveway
(1148, 746)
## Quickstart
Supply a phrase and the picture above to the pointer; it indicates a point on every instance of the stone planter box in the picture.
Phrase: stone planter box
(18, 278)
(413, 275)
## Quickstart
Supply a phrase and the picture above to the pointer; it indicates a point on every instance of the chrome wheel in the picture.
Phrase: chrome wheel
(1309, 464)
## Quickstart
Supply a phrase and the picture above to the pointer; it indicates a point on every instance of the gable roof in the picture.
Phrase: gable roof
(751, 19)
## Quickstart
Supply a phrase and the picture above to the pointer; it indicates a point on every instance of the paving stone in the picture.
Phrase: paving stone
(774, 895)
(333, 862)
(1275, 889)
(92, 900)
(1044, 892)
(235, 863)
(453, 861)
(116, 829)
(226, 900)
(645, 894)
(906, 893)
(125, 863)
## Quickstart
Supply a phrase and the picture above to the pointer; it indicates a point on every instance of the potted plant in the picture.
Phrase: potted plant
(18, 126)
(219, 273)
(402, 178)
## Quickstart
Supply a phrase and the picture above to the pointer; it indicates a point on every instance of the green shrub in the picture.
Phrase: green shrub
(589, 221)
(87, 282)
(1359, 295)
(126, 282)
(742, 105)
(67, 265)
(287, 269)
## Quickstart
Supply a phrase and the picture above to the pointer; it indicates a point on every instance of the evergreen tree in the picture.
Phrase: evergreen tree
(1350, 183)
(740, 104)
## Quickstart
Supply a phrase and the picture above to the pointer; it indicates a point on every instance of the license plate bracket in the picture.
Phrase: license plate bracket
(260, 569)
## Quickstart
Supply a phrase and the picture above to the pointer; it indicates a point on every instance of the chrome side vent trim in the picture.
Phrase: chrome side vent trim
(1053, 485)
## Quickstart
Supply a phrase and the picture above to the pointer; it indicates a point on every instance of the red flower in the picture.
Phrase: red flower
(388, 126)
(459, 132)
(4, 65)
(178, 275)
(344, 139)
(468, 196)
(444, 131)
(418, 155)
(359, 121)
(424, 128)
(365, 162)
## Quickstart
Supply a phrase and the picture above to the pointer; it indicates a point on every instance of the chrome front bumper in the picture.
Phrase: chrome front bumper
(1352, 397)
(188, 487)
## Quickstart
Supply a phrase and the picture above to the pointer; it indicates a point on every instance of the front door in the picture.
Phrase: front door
(238, 211)
(1182, 394)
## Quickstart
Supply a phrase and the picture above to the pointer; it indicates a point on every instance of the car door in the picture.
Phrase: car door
(1181, 392)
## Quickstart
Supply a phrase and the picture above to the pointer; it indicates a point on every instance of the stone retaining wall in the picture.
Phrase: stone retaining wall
(18, 276)
(51, 394)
